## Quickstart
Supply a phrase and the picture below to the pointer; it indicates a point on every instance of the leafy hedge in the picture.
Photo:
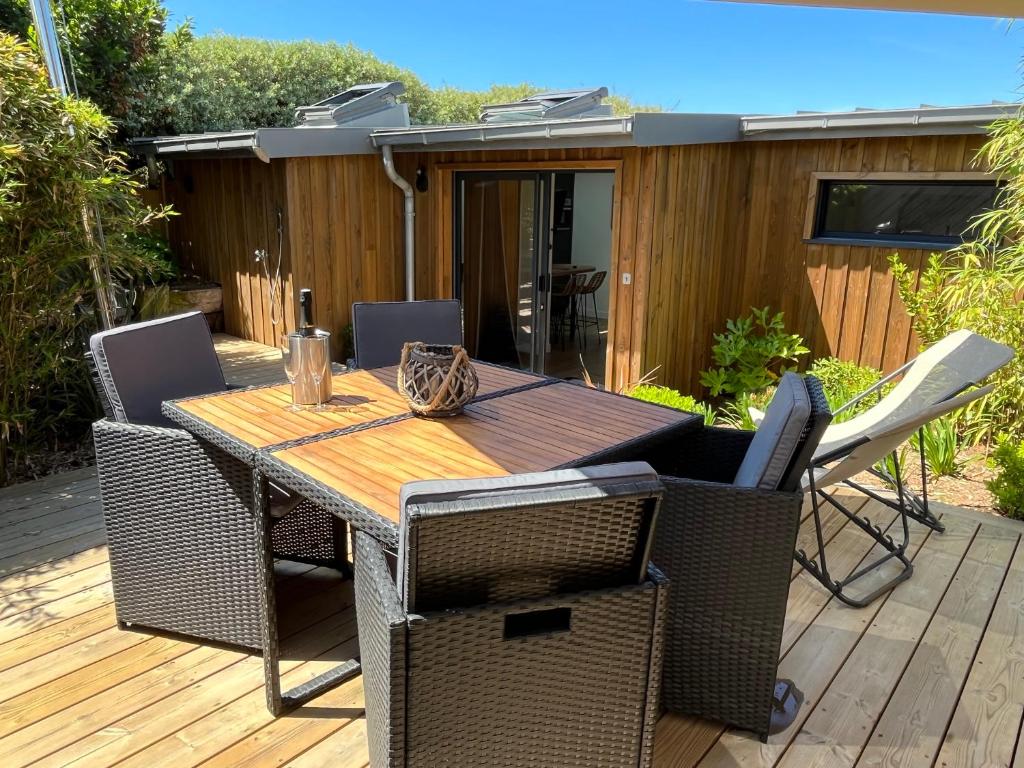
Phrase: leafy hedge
(150, 81)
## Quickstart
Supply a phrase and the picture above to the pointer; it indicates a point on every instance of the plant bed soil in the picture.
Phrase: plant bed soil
(53, 461)
(967, 489)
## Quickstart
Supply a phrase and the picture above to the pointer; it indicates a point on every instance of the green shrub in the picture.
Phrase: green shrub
(222, 82)
(751, 355)
(673, 399)
(1008, 485)
(941, 445)
(980, 293)
(736, 413)
(842, 381)
(887, 466)
(51, 178)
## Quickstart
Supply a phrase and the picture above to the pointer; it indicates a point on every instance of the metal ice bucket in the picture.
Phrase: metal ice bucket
(313, 354)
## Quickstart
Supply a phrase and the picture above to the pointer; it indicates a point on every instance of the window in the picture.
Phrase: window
(909, 212)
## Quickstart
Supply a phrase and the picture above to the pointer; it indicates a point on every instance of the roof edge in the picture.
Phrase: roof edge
(887, 122)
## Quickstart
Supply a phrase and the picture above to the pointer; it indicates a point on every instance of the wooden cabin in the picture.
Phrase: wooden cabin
(692, 218)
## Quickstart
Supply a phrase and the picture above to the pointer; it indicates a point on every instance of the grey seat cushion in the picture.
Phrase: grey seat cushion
(778, 437)
(143, 364)
(522, 533)
(381, 328)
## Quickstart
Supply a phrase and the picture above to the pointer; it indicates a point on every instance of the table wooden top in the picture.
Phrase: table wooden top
(527, 431)
(558, 270)
(258, 418)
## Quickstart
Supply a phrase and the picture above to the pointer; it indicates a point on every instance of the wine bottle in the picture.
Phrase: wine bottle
(306, 327)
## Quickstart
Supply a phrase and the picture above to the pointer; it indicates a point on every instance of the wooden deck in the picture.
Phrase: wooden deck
(931, 676)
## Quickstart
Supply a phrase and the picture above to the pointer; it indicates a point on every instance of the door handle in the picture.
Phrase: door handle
(542, 284)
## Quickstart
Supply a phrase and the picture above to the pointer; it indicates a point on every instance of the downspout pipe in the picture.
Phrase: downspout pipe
(410, 221)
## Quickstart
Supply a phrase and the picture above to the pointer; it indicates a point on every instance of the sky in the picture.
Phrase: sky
(688, 55)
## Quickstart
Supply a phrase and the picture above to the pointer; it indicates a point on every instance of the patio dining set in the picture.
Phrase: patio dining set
(535, 578)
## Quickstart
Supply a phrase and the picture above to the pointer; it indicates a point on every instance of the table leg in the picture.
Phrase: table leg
(268, 607)
(277, 701)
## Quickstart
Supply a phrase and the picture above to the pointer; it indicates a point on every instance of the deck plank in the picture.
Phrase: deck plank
(988, 716)
(817, 654)
(839, 725)
(913, 725)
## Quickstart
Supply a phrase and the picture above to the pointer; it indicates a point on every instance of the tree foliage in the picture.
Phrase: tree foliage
(151, 81)
(115, 49)
(223, 82)
(56, 174)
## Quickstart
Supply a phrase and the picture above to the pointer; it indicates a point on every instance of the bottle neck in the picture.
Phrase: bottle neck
(306, 327)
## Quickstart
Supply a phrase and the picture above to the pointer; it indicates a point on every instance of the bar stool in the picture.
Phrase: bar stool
(589, 288)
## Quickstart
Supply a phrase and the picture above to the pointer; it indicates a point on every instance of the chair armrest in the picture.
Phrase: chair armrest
(710, 453)
(157, 465)
(382, 647)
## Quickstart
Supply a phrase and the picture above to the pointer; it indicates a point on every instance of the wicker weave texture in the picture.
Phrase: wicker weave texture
(436, 380)
(310, 534)
(382, 649)
(182, 538)
(728, 552)
(180, 533)
(579, 544)
(558, 699)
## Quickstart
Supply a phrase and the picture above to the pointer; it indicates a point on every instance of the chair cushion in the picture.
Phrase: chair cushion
(778, 437)
(143, 364)
(380, 329)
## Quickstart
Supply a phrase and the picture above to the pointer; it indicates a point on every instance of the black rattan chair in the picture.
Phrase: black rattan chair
(725, 537)
(381, 328)
(178, 511)
(523, 627)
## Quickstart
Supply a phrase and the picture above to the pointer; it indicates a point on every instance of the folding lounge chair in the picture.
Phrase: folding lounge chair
(381, 328)
(846, 459)
(947, 368)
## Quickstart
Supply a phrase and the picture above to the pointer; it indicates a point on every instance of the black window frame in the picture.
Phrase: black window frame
(819, 234)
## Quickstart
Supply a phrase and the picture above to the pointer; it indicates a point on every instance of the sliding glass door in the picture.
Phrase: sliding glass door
(502, 265)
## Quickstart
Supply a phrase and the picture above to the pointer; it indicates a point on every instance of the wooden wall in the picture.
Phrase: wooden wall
(729, 229)
(705, 231)
(709, 231)
(227, 209)
(342, 233)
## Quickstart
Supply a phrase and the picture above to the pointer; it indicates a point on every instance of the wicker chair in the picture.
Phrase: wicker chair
(725, 538)
(381, 328)
(520, 603)
(181, 534)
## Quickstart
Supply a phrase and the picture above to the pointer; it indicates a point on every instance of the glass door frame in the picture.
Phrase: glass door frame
(541, 267)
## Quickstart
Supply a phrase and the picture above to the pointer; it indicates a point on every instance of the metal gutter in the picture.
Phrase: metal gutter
(264, 143)
(410, 220)
(242, 142)
(487, 133)
(925, 120)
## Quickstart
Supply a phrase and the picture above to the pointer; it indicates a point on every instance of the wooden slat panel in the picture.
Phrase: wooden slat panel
(262, 417)
(706, 231)
(529, 431)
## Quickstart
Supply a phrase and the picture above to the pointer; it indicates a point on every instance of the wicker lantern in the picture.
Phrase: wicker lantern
(436, 379)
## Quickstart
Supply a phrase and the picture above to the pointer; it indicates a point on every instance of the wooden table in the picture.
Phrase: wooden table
(558, 270)
(359, 475)
(246, 421)
(353, 457)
